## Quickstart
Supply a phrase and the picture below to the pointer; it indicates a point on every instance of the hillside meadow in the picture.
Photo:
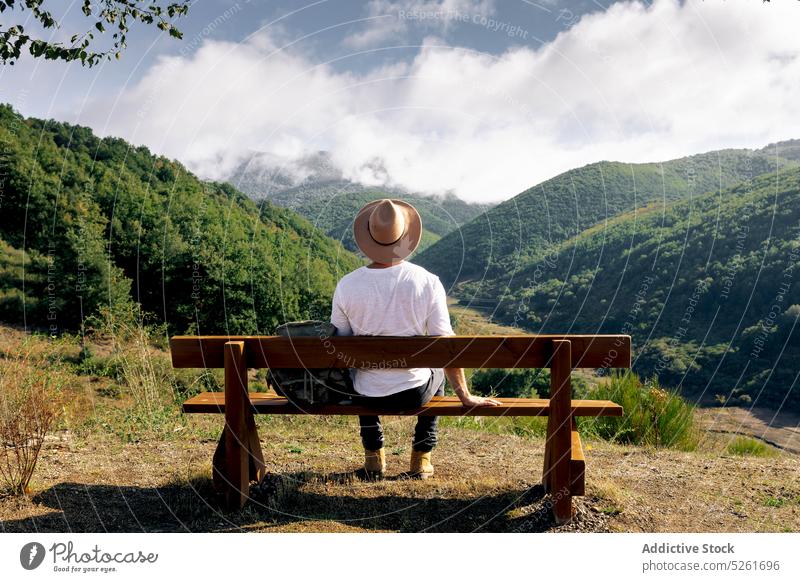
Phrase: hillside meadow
(120, 445)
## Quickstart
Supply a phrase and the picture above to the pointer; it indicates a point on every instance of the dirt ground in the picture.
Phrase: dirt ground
(780, 429)
(483, 482)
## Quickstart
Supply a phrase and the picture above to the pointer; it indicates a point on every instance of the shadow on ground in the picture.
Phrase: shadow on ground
(302, 501)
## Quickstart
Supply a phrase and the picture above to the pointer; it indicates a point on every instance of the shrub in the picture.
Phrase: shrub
(653, 416)
(28, 407)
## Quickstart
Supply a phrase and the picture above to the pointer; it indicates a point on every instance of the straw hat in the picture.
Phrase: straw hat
(387, 231)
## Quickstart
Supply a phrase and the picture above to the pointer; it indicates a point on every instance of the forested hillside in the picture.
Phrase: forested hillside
(708, 287)
(507, 237)
(89, 223)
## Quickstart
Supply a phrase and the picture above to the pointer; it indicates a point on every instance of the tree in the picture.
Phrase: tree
(115, 15)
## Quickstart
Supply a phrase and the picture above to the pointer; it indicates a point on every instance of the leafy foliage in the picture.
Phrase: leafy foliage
(106, 224)
(17, 267)
(789, 149)
(111, 14)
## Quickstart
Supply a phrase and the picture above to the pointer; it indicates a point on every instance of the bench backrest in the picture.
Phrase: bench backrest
(517, 351)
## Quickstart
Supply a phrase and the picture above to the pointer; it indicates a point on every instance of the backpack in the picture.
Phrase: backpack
(311, 386)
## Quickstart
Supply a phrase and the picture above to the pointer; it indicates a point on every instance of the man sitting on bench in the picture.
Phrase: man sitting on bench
(393, 297)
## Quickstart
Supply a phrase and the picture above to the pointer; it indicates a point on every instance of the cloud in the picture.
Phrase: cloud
(391, 20)
(634, 83)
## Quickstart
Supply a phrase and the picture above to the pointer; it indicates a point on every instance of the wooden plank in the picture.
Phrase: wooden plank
(268, 403)
(559, 433)
(577, 466)
(383, 352)
(236, 480)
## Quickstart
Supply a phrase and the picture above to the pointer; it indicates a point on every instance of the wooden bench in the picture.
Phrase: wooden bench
(239, 460)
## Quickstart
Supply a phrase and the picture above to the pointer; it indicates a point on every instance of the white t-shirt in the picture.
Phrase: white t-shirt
(402, 300)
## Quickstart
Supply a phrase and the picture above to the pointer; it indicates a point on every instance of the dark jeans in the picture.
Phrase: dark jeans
(425, 431)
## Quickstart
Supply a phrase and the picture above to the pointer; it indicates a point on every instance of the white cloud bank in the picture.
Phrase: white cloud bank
(635, 83)
(390, 20)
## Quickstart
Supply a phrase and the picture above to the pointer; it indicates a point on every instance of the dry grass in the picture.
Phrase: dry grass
(483, 482)
(611, 499)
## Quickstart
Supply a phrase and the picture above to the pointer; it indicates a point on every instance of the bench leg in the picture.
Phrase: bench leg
(256, 466)
(232, 468)
(558, 448)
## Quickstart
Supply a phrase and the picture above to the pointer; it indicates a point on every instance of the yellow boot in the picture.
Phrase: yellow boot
(421, 466)
(374, 463)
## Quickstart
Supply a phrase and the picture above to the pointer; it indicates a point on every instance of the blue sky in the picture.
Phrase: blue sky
(483, 98)
(323, 27)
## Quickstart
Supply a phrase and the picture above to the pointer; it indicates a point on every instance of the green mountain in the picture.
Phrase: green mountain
(92, 223)
(508, 236)
(709, 288)
(333, 206)
(314, 188)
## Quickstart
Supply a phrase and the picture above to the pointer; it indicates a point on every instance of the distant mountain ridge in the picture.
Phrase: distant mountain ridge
(264, 175)
(789, 149)
(316, 189)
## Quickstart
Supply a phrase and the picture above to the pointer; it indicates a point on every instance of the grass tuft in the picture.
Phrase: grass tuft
(746, 446)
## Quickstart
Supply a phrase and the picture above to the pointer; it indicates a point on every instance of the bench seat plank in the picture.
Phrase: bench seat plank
(270, 403)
